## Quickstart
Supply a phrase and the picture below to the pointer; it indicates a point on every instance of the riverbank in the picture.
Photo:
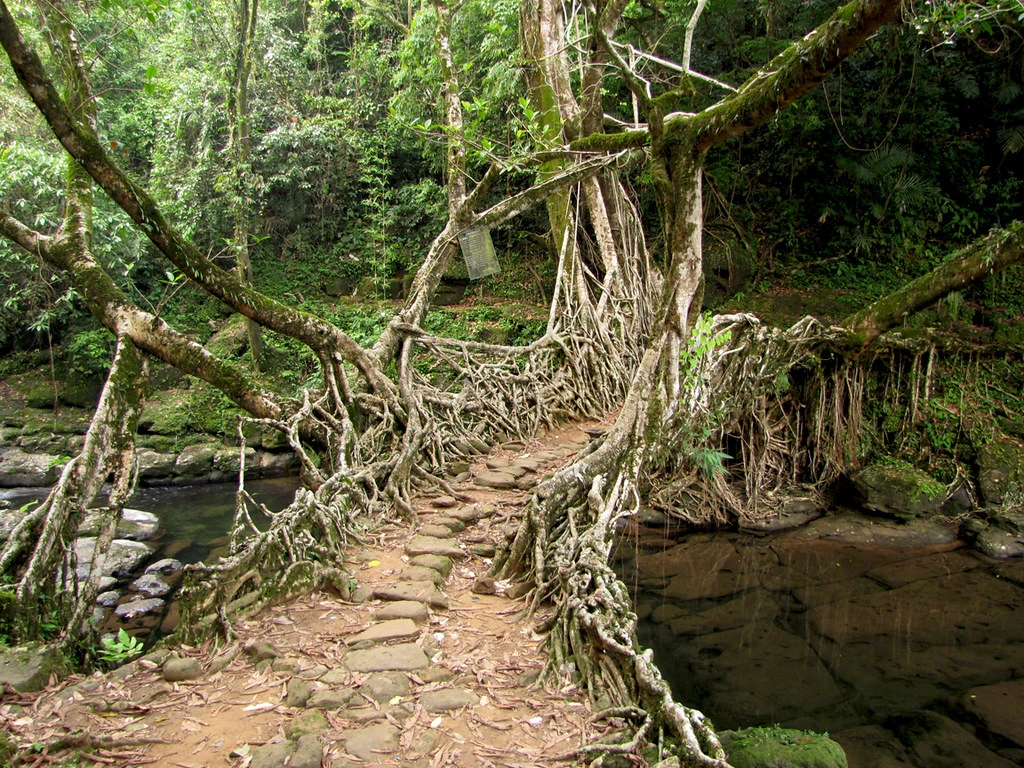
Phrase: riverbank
(429, 662)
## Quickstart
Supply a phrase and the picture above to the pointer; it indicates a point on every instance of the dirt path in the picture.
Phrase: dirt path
(430, 664)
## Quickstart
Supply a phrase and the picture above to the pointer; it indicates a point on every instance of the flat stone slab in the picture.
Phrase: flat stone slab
(529, 463)
(384, 686)
(367, 743)
(395, 629)
(421, 573)
(1000, 707)
(494, 479)
(402, 609)
(439, 563)
(448, 699)
(444, 502)
(436, 531)
(329, 699)
(425, 545)
(395, 658)
(420, 591)
(468, 515)
(453, 524)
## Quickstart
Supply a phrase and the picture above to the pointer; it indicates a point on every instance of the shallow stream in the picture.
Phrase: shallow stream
(826, 635)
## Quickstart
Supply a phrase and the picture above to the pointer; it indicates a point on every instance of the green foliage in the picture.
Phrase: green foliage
(89, 354)
(115, 651)
(710, 461)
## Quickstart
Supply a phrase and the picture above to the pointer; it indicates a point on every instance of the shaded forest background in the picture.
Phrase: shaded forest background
(911, 149)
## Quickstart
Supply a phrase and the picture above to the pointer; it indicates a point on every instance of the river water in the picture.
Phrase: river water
(824, 635)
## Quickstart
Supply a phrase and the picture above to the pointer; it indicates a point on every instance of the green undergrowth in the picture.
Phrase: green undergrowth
(180, 410)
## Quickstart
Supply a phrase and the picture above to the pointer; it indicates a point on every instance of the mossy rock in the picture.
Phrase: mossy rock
(82, 393)
(41, 396)
(899, 490)
(492, 334)
(28, 668)
(775, 747)
(231, 340)
(1000, 466)
(196, 460)
(166, 413)
(1010, 332)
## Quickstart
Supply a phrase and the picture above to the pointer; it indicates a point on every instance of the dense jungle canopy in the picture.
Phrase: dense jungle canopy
(165, 163)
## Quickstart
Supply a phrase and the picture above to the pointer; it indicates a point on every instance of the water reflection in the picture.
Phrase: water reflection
(195, 520)
(820, 634)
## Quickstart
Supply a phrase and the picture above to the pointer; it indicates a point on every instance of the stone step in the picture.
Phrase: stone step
(395, 629)
(402, 609)
(420, 591)
(406, 657)
(425, 545)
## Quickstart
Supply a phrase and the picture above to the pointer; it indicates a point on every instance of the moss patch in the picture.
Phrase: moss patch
(774, 747)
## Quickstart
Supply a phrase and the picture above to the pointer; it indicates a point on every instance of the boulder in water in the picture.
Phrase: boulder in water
(122, 558)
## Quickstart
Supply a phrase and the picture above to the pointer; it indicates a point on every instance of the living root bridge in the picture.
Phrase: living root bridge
(799, 408)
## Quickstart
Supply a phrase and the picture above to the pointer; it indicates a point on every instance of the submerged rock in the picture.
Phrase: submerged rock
(781, 748)
(135, 608)
(134, 525)
(166, 567)
(150, 585)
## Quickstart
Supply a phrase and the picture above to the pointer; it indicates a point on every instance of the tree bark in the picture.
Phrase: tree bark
(238, 123)
(990, 254)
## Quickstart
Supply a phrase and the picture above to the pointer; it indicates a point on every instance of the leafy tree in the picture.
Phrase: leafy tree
(623, 327)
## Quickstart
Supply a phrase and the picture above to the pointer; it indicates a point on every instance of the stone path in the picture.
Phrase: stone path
(427, 663)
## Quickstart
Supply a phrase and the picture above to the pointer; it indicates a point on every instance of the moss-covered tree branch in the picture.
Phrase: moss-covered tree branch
(992, 253)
